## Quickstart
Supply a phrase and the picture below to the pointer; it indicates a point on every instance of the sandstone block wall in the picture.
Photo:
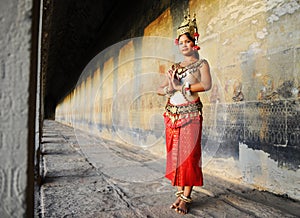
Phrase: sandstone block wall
(251, 116)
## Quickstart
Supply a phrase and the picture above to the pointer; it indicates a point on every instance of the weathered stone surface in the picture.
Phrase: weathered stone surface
(73, 33)
(16, 135)
(251, 111)
(75, 187)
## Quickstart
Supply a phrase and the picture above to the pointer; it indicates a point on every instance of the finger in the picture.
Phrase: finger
(168, 75)
(173, 75)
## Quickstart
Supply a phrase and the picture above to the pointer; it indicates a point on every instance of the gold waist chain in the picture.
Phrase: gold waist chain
(184, 109)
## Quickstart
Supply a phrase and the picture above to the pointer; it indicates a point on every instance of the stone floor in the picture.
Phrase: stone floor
(85, 176)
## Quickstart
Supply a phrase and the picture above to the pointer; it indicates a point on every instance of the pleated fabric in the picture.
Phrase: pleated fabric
(183, 146)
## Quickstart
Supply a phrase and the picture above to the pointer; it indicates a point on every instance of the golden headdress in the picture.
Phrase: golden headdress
(189, 26)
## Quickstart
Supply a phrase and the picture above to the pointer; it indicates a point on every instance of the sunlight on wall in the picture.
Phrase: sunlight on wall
(253, 50)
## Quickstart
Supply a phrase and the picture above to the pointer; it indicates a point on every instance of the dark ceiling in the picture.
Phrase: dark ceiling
(74, 31)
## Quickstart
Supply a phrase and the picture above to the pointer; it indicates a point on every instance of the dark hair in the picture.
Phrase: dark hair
(189, 36)
(193, 40)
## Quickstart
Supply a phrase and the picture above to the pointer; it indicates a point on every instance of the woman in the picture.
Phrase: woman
(183, 116)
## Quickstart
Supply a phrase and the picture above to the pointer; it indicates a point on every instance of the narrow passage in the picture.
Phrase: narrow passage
(101, 178)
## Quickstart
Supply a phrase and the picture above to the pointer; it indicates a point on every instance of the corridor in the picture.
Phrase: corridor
(99, 178)
(96, 65)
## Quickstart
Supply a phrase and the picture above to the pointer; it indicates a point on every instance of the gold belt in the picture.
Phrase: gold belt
(184, 109)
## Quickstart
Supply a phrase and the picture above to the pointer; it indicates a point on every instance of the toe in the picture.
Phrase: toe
(173, 206)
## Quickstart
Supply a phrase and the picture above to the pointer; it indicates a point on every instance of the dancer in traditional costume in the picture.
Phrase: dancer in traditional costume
(183, 115)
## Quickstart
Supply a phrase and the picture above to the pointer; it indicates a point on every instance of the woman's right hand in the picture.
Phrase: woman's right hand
(169, 82)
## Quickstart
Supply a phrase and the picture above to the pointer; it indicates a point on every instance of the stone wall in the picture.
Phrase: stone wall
(17, 94)
(251, 115)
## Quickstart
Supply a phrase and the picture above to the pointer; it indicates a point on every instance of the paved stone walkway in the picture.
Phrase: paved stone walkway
(101, 178)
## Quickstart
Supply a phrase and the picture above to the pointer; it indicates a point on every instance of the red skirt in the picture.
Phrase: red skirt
(183, 146)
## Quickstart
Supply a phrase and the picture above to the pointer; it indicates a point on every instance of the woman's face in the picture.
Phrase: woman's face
(186, 45)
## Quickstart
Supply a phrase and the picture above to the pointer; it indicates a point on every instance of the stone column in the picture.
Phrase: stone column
(18, 44)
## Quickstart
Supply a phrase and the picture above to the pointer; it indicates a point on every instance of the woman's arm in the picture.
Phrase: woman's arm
(167, 85)
(160, 90)
(205, 83)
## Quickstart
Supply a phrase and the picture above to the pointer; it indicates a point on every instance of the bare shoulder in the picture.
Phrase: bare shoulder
(204, 65)
(203, 62)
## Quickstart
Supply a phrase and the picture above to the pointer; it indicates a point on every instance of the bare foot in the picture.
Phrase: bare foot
(175, 204)
(182, 208)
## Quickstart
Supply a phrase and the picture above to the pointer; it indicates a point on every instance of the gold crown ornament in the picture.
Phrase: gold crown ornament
(188, 26)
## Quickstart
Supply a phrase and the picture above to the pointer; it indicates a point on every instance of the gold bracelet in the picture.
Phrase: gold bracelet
(178, 193)
(185, 199)
(167, 92)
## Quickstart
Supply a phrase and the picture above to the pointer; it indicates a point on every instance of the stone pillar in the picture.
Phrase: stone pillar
(18, 44)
